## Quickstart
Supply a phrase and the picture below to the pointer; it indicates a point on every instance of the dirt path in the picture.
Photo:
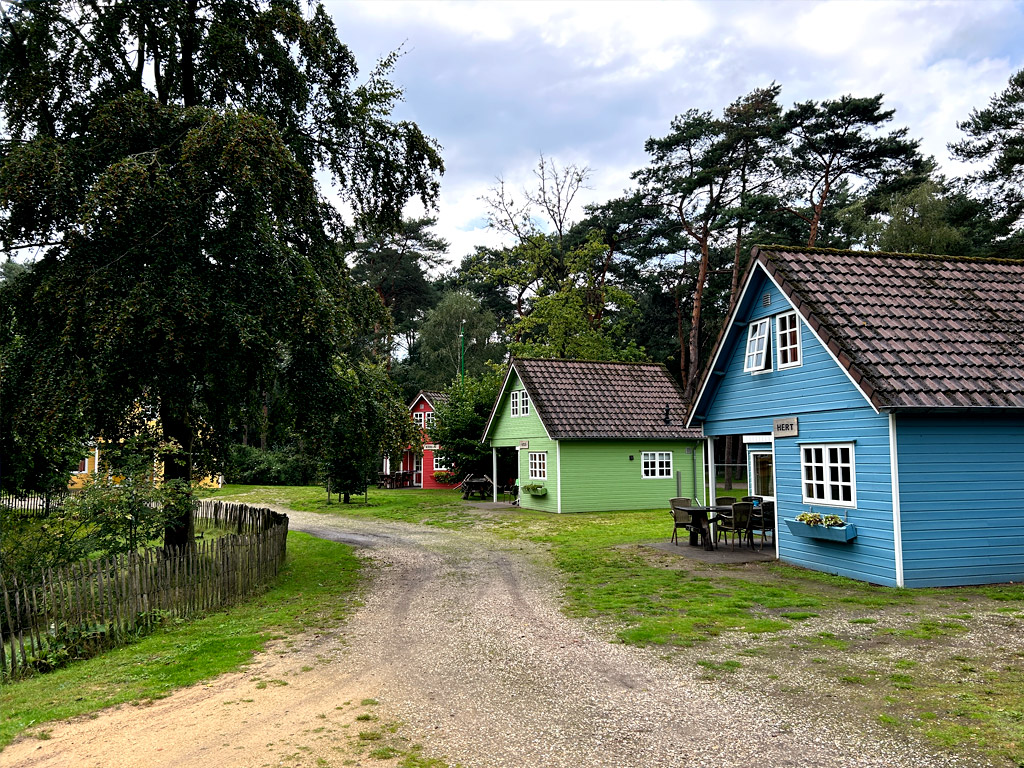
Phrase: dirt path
(462, 643)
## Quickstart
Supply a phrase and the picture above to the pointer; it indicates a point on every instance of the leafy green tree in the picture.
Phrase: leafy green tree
(459, 423)
(704, 174)
(457, 322)
(163, 155)
(574, 322)
(365, 421)
(839, 140)
(995, 139)
(397, 265)
(754, 135)
(917, 221)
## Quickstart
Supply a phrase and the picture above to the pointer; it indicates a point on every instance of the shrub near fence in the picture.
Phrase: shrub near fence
(81, 610)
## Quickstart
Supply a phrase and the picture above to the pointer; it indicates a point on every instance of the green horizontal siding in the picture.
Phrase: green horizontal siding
(508, 431)
(597, 475)
(548, 503)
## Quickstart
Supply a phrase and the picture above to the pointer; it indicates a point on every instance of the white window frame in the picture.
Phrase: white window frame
(655, 464)
(760, 330)
(439, 464)
(538, 462)
(524, 403)
(417, 419)
(783, 349)
(513, 399)
(428, 419)
(822, 476)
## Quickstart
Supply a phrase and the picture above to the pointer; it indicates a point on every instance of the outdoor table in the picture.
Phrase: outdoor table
(473, 485)
(702, 518)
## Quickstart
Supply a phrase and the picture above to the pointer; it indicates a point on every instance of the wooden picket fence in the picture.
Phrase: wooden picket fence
(35, 505)
(82, 609)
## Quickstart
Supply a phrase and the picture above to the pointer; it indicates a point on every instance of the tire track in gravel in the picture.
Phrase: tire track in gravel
(461, 638)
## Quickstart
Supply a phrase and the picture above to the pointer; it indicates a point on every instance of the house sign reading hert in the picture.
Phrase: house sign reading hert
(785, 427)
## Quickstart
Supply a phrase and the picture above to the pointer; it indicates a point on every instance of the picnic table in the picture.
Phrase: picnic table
(480, 485)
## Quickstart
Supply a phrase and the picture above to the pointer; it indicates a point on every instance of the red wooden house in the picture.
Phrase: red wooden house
(421, 467)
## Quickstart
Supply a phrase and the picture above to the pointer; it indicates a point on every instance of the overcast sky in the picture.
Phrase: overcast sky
(588, 82)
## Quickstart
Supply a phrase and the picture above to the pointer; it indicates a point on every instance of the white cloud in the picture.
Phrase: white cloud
(587, 83)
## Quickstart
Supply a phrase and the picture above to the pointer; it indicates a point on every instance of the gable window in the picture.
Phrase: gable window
(428, 419)
(520, 402)
(787, 333)
(656, 464)
(758, 357)
(417, 419)
(829, 474)
(538, 465)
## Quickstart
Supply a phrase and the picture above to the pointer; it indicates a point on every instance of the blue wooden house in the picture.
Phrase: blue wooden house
(886, 389)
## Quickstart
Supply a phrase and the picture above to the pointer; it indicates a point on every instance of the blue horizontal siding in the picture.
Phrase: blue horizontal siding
(961, 491)
(829, 409)
(819, 384)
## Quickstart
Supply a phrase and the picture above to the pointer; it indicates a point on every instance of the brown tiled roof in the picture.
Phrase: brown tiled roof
(913, 330)
(580, 399)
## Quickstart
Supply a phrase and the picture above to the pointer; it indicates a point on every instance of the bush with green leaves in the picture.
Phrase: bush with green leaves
(281, 465)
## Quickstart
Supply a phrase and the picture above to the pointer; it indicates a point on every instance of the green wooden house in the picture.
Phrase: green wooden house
(594, 436)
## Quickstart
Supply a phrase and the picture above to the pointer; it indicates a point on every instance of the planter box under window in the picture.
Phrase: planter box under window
(840, 533)
(536, 491)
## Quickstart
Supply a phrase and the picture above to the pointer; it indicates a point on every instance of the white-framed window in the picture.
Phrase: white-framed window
(520, 402)
(417, 419)
(428, 419)
(440, 465)
(758, 357)
(829, 474)
(656, 464)
(787, 335)
(538, 465)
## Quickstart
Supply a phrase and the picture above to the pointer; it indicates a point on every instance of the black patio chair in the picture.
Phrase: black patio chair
(734, 522)
(680, 517)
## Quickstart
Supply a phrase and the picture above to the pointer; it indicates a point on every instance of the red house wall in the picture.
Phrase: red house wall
(427, 480)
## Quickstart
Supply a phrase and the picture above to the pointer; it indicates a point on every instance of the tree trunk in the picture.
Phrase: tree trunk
(693, 364)
(818, 208)
(679, 331)
(188, 54)
(179, 532)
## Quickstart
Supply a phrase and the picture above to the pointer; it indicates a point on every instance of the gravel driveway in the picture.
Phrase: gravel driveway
(461, 640)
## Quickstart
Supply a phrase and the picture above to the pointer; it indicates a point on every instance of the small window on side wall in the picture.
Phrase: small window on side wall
(656, 464)
(758, 356)
(538, 465)
(787, 333)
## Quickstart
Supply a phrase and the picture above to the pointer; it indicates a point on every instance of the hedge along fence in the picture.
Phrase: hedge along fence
(83, 609)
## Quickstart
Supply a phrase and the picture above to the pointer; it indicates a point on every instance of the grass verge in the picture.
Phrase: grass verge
(443, 509)
(315, 589)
